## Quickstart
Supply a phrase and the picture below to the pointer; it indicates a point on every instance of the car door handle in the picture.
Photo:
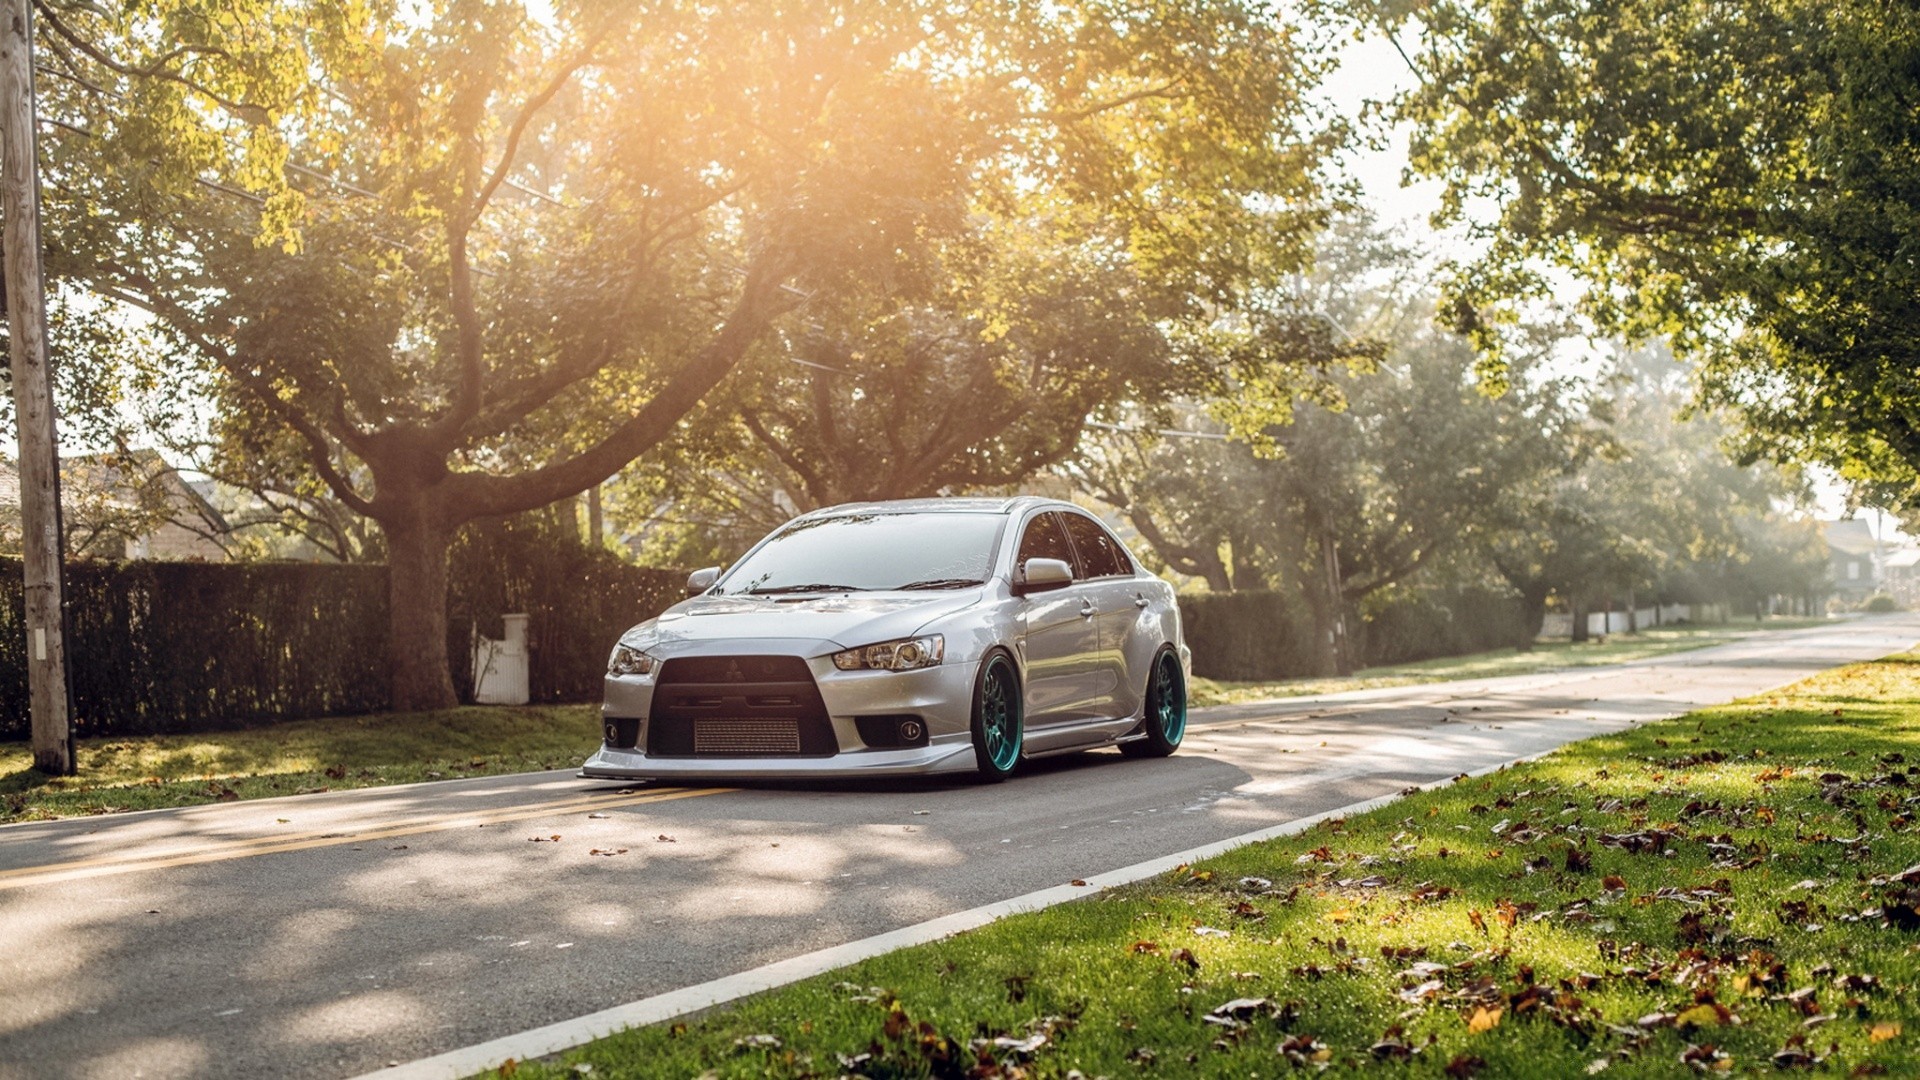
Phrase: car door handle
(1140, 601)
(1087, 610)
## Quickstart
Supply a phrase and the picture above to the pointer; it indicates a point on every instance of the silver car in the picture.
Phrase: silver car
(900, 638)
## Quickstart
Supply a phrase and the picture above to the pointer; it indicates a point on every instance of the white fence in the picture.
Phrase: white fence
(1560, 625)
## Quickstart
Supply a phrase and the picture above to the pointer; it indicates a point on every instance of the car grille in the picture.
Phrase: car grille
(740, 735)
(738, 706)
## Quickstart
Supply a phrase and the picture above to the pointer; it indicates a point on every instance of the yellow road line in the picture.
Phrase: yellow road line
(269, 845)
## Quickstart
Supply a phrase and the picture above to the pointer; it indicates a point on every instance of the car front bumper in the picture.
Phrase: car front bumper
(941, 696)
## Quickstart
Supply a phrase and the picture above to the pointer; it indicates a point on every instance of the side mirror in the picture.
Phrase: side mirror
(1042, 575)
(701, 580)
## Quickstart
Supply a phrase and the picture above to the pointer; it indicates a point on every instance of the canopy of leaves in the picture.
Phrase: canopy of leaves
(1741, 177)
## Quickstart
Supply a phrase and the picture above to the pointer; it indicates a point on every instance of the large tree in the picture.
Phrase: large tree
(468, 262)
(1742, 177)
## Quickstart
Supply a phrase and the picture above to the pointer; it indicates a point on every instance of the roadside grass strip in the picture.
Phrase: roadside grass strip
(1647, 644)
(1733, 891)
(297, 757)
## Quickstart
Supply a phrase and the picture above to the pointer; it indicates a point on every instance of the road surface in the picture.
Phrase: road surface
(330, 935)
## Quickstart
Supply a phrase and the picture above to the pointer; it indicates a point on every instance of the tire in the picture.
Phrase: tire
(1166, 722)
(998, 718)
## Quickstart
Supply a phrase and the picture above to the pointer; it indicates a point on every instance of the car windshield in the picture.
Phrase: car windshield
(871, 552)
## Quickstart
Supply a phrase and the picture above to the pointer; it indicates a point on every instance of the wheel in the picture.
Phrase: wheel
(1166, 710)
(997, 716)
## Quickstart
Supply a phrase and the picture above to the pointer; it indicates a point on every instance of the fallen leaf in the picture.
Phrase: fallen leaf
(665, 839)
(1076, 881)
(1883, 1031)
(1483, 1019)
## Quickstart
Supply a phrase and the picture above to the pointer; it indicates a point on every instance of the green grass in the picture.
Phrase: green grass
(297, 757)
(1545, 656)
(1710, 892)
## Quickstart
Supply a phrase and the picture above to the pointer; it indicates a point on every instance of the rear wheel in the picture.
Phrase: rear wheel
(1166, 722)
(997, 718)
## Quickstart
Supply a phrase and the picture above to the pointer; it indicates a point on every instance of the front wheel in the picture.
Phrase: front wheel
(1166, 710)
(997, 718)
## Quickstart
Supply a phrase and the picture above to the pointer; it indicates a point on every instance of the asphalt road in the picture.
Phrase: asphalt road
(329, 935)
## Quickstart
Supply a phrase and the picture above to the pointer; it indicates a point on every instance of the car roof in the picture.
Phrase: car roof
(1011, 505)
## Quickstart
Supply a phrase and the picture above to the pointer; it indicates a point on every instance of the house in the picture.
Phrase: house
(129, 505)
(1856, 561)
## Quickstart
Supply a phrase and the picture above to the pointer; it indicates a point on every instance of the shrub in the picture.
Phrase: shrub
(1247, 635)
(177, 647)
(1881, 604)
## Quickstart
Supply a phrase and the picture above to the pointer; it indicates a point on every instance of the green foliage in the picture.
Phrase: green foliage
(1247, 635)
(1401, 624)
(1251, 635)
(1881, 605)
(165, 646)
(471, 259)
(579, 601)
(1740, 178)
(177, 646)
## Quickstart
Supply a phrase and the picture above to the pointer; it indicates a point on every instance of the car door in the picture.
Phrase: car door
(1118, 600)
(1060, 638)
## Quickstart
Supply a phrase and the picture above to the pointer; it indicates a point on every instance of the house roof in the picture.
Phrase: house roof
(1851, 536)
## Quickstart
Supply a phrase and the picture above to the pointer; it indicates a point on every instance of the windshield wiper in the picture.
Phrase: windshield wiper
(941, 583)
(804, 588)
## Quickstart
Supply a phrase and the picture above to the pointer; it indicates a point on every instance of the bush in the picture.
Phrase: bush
(1403, 625)
(1881, 604)
(1247, 635)
(162, 647)
(578, 599)
(174, 647)
(1262, 636)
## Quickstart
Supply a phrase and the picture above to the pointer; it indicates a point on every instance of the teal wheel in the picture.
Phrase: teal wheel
(997, 718)
(1166, 721)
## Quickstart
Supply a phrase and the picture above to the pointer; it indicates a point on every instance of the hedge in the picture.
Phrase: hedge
(1247, 635)
(1269, 635)
(1406, 625)
(176, 647)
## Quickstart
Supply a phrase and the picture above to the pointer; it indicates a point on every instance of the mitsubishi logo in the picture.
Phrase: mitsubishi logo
(734, 674)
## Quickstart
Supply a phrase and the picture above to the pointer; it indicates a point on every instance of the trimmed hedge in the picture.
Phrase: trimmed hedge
(176, 647)
(165, 646)
(579, 601)
(1405, 625)
(1246, 636)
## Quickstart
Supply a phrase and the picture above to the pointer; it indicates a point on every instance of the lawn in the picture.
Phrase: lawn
(1544, 656)
(1730, 891)
(297, 757)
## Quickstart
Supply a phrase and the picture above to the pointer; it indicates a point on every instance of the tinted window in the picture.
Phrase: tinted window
(863, 552)
(1099, 552)
(1045, 539)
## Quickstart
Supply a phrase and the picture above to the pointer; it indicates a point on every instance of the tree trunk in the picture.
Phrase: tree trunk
(1533, 615)
(417, 613)
(1579, 610)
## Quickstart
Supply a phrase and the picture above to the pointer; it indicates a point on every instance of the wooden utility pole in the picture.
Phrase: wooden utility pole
(33, 396)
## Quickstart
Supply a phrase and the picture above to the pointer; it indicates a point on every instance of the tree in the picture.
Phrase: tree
(491, 260)
(1740, 177)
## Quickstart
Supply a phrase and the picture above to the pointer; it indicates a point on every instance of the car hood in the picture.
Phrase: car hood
(845, 619)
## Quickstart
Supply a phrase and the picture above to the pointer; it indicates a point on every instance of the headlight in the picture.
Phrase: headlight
(904, 655)
(626, 661)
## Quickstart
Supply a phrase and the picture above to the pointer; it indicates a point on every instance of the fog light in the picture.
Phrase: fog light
(910, 731)
(613, 735)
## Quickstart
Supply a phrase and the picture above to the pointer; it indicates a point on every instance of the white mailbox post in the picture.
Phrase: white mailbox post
(500, 667)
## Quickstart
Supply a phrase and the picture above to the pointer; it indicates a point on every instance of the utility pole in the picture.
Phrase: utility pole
(40, 537)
